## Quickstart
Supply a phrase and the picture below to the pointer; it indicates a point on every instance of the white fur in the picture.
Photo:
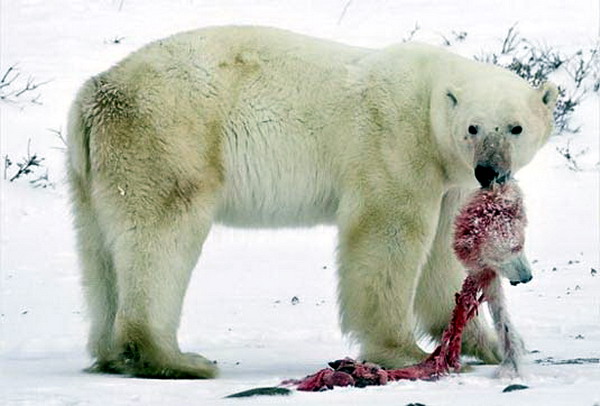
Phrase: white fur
(261, 127)
(511, 343)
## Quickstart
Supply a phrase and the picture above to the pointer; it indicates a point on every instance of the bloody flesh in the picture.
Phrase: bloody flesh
(445, 358)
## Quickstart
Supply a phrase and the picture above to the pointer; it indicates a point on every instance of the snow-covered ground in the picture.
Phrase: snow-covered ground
(239, 306)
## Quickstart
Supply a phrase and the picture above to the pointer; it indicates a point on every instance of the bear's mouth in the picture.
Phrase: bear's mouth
(488, 174)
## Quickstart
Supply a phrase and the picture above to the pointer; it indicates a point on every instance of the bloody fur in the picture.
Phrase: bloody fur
(489, 228)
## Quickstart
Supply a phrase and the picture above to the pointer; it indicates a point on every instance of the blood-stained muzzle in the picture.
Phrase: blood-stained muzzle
(486, 174)
(492, 160)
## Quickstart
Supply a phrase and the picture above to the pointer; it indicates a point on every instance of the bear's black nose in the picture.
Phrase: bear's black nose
(485, 174)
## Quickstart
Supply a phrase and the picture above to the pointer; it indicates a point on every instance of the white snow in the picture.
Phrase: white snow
(239, 307)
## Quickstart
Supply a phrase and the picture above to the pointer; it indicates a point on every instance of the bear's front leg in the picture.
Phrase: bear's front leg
(381, 252)
(441, 278)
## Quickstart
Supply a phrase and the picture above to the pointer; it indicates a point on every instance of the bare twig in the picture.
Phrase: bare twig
(58, 133)
(446, 41)
(117, 40)
(7, 164)
(11, 91)
(578, 67)
(29, 86)
(7, 80)
(42, 182)
(570, 156)
(411, 34)
(537, 63)
(348, 3)
(29, 162)
(511, 41)
(8, 71)
(456, 37)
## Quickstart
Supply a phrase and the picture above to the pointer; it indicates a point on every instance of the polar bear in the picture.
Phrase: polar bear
(260, 127)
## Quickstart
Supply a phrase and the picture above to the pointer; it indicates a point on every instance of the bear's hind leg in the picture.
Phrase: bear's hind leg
(151, 168)
(153, 264)
(98, 277)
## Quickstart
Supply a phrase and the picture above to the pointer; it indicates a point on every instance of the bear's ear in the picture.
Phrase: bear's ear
(451, 96)
(549, 93)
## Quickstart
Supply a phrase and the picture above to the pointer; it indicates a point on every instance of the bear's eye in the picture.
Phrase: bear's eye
(516, 130)
(473, 130)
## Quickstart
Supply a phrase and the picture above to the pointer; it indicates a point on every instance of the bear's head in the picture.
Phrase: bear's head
(491, 122)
